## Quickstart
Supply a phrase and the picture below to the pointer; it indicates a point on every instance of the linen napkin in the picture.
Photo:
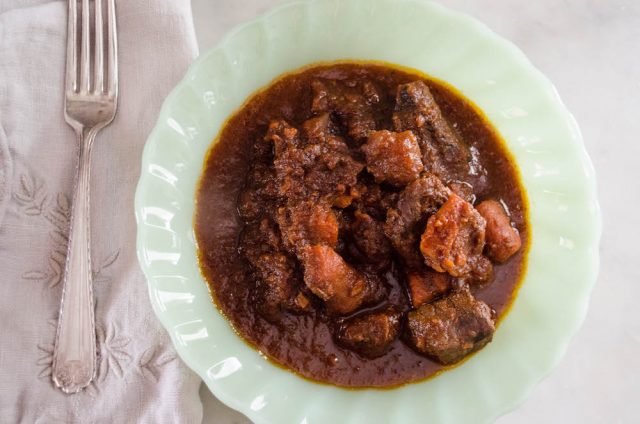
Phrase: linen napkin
(139, 379)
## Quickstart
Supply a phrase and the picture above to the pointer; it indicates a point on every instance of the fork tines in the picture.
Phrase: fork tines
(87, 70)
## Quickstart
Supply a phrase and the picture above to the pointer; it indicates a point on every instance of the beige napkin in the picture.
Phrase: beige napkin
(140, 379)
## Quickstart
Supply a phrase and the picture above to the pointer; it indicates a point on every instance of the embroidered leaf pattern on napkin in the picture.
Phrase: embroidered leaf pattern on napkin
(151, 361)
(32, 198)
(46, 351)
(113, 356)
(59, 214)
(29, 194)
(45, 360)
(99, 272)
(52, 274)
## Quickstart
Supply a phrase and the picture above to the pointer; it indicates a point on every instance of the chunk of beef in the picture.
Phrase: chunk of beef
(423, 196)
(260, 187)
(481, 270)
(453, 236)
(289, 158)
(369, 197)
(420, 198)
(426, 286)
(306, 223)
(350, 101)
(370, 335)
(282, 135)
(260, 238)
(443, 153)
(277, 287)
(319, 128)
(503, 240)
(311, 170)
(370, 240)
(334, 172)
(393, 157)
(451, 328)
(376, 290)
(328, 276)
(464, 190)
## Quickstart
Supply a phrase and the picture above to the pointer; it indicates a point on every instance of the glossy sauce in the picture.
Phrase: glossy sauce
(303, 343)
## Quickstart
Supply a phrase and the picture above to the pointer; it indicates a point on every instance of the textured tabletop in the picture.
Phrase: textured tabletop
(590, 49)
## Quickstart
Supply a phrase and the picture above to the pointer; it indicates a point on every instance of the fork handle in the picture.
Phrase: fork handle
(74, 357)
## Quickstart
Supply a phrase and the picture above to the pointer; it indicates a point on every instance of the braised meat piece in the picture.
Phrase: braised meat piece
(369, 197)
(370, 240)
(289, 160)
(277, 287)
(328, 276)
(277, 281)
(259, 238)
(503, 240)
(260, 186)
(306, 223)
(426, 286)
(393, 157)
(319, 128)
(449, 329)
(463, 189)
(370, 335)
(314, 168)
(333, 170)
(454, 236)
(350, 101)
(481, 271)
(420, 198)
(443, 153)
(282, 135)
(423, 196)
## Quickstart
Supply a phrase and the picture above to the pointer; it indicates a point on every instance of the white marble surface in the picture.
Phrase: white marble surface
(590, 49)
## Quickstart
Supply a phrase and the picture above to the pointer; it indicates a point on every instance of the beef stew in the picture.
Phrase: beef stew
(361, 225)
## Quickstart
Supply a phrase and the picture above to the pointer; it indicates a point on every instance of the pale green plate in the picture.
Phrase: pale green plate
(519, 100)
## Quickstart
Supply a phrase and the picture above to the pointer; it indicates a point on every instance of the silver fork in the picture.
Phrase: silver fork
(90, 104)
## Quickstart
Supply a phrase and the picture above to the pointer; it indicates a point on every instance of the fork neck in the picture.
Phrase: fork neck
(85, 137)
